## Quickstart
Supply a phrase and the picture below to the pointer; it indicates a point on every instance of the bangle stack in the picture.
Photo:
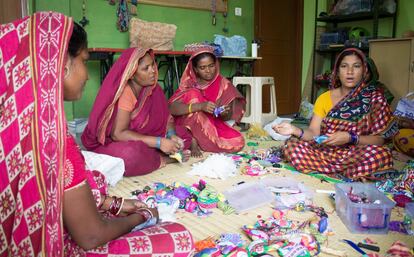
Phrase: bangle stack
(146, 214)
(103, 198)
(116, 205)
(189, 108)
(353, 138)
(158, 144)
(170, 133)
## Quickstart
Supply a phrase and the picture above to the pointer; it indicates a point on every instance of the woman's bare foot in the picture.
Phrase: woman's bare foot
(195, 149)
(186, 155)
(400, 156)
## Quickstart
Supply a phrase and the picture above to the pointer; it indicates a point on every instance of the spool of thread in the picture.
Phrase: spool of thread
(254, 49)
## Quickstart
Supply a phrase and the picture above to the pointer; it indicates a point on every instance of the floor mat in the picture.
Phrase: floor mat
(218, 223)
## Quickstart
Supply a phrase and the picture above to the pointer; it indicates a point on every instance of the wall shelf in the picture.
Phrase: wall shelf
(332, 22)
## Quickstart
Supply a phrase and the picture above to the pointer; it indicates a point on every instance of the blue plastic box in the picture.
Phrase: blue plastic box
(364, 218)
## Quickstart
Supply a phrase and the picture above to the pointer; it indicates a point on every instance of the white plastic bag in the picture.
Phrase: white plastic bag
(276, 136)
(405, 106)
(306, 110)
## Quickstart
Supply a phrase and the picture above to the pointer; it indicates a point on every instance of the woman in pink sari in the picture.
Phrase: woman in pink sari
(50, 205)
(130, 117)
(197, 102)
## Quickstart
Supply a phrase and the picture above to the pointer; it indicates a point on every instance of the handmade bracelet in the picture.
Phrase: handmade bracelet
(170, 133)
(189, 108)
(354, 138)
(116, 205)
(301, 133)
(158, 144)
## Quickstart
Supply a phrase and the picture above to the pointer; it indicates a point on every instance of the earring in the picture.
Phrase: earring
(66, 71)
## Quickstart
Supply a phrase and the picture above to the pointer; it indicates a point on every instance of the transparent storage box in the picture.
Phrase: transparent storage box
(370, 218)
(248, 196)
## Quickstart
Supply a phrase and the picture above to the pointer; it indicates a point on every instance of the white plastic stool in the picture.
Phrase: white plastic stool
(254, 113)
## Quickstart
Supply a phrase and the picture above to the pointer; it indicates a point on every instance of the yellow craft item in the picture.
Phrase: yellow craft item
(404, 141)
(178, 156)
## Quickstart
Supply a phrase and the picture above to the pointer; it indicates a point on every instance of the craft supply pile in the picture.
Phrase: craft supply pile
(363, 207)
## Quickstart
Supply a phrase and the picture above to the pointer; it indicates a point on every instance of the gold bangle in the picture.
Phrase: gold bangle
(189, 108)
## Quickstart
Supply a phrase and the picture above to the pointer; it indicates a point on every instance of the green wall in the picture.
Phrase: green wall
(192, 26)
(405, 21)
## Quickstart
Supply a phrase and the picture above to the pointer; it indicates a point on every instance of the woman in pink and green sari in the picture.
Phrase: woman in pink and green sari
(50, 205)
(196, 104)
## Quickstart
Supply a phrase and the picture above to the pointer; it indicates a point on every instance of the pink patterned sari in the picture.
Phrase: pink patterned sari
(150, 117)
(163, 239)
(212, 133)
(32, 134)
(38, 161)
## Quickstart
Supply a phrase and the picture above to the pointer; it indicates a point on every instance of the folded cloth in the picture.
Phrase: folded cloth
(112, 167)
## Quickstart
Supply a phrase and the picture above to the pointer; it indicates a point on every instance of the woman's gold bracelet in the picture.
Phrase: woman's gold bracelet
(189, 108)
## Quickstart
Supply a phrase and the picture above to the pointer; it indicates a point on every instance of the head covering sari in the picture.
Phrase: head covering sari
(32, 134)
(363, 111)
(212, 134)
(105, 107)
(149, 117)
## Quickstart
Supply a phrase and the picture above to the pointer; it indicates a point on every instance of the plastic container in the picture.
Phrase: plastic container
(366, 218)
(352, 6)
(248, 196)
(254, 49)
(298, 192)
(409, 210)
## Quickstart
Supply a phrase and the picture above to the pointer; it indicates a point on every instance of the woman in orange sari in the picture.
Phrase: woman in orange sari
(196, 104)
(130, 117)
(50, 205)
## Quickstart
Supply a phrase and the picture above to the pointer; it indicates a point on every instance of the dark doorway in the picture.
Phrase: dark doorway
(11, 10)
(278, 25)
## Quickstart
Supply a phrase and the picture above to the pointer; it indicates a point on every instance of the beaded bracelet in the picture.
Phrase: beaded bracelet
(158, 144)
(170, 133)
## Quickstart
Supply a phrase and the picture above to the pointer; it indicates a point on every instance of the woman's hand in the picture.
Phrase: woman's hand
(226, 111)
(208, 107)
(284, 128)
(178, 140)
(154, 212)
(131, 206)
(337, 138)
(169, 146)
